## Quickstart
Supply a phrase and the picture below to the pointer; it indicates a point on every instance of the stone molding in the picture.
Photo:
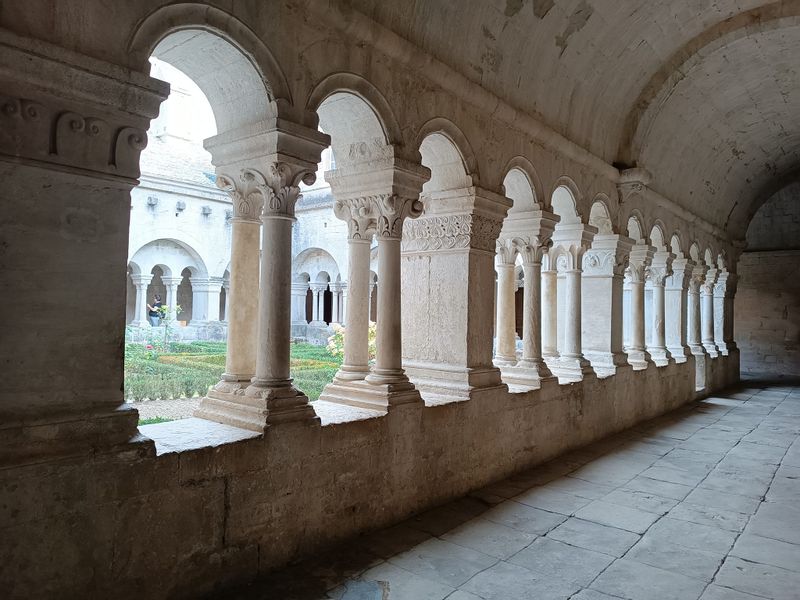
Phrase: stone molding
(45, 132)
(570, 243)
(451, 232)
(639, 260)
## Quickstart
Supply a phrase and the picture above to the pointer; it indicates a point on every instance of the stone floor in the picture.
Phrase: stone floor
(702, 503)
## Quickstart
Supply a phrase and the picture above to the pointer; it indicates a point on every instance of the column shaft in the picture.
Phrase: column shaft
(549, 313)
(241, 310)
(356, 340)
(506, 335)
(659, 339)
(637, 316)
(572, 317)
(693, 320)
(388, 365)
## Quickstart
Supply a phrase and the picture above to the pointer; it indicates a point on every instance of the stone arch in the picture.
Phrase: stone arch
(355, 85)
(447, 153)
(523, 166)
(694, 252)
(172, 255)
(520, 191)
(232, 66)
(599, 215)
(708, 257)
(564, 201)
(357, 131)
(313, 261)
(657, 238)
(635, 226)
(676, 245)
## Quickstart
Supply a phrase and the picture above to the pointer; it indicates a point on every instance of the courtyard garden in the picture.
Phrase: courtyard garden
(169, 383)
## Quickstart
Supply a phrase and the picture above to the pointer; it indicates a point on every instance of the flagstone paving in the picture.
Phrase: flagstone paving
(703, 503)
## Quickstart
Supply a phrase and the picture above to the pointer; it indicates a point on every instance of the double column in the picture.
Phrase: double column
(724, 292)
(263, 181)
(677, 308)
(318, 304)
(530, 233)
(694, 335)
(140, 283)
(375, 199)
(707, 312)
(638, 263)
(505, 261)
(657, 273)
(172, 283)
(570, 243)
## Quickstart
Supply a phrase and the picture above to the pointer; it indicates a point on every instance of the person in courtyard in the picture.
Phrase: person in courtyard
(153, 311)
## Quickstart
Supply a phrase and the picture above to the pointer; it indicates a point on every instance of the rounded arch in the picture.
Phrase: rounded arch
(172, 255)
(657, 237)
(228, 61)
(523, 166)
(708, 257)
(694, 252)
(355, 85)
(446, 151)
(676, 244)
(565, 200)
(133, 268)
(519, 190)
(314, 261)
(322, 277)
(600, 216)
(635, 227)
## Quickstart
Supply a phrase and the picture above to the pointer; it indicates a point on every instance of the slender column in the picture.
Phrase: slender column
(724, 280)
(640, 257)
(532, 302)
(335, 294)
(227, 286)
(657, 273)
(694, 313)
(371, 314)
(392, 212)
(602, 299)
(317, 304)
(676, 308)
(506, 336)
(549, 308)
(572, 325)
(359, 215)
(140, 282)
(707, 317)
(172, 283)
(205, 299)
(299, 292)
(344, 301)
(730, 294)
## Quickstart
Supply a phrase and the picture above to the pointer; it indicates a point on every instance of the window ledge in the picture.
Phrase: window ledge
(192, 434)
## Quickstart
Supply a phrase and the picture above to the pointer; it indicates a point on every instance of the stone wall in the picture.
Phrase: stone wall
(767, 313)
(133, 524)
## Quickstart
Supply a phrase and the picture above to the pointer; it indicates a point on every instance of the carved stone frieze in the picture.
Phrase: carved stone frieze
(448, 232)
(30, 130)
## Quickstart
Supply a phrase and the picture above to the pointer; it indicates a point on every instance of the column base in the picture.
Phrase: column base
(443, 382)
(351, 373)
(362, 394)
(571, 369)
(255, 407)
(659, 356)
(639, 359)
(528, 373)
(605, 364)
(318, 324)
(679, 354)
(504, 361)
(711, 349)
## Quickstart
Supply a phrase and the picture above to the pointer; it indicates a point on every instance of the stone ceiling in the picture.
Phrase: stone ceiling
(705, 94)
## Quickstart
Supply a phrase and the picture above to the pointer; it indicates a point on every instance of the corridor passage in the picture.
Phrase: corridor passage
(701, 503)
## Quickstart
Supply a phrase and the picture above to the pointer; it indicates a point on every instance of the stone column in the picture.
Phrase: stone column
(694, 313)
(140, 282)
(372, 315)
(602, 298)
(205, 299)
(676, 308)
(570, 243)
(506, 353)
(172, 283)
(728, 327)
(343, 305)
(639, 260)
(448, 267)
(657, 274)
(707, 314)
(226, 285)
(549, 308)
(318, 291)
(334, 287)
(721, 293)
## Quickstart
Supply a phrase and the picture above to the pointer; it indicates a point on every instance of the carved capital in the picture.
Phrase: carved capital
(604, 262)
(270, 193)
(451, 232)
(391, 211)
(532, 248)
(657, 274)
(360, 216)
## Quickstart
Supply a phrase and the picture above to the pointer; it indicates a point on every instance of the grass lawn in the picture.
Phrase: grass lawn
(191, 368)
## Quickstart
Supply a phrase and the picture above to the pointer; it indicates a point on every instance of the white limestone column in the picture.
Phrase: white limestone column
(707, 315)
(334, 303)
(657, 273)
(532, 318)
(676, 308)
(227, 287)
(344, 301)
(572, 323)
(694, 312)
(355, 365)
(172, 283)
(549, 309)
(638, 263)
(371, 315)
(200, 287)
(506, 336)
(720, 292)
(140, 283)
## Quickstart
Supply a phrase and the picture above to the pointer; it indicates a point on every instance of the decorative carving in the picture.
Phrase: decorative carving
(603, 262)
(391, 211)
(636, 271)
(532, 249)
(359, 214)
(657, 274)
(450, 232)
(31, 130)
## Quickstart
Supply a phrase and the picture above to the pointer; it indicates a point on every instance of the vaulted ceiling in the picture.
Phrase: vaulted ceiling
(705, 94)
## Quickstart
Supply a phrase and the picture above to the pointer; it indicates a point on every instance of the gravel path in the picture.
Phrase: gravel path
(180, 408)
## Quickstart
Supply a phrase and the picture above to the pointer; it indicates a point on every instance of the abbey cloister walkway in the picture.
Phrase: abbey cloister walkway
(700, 503)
